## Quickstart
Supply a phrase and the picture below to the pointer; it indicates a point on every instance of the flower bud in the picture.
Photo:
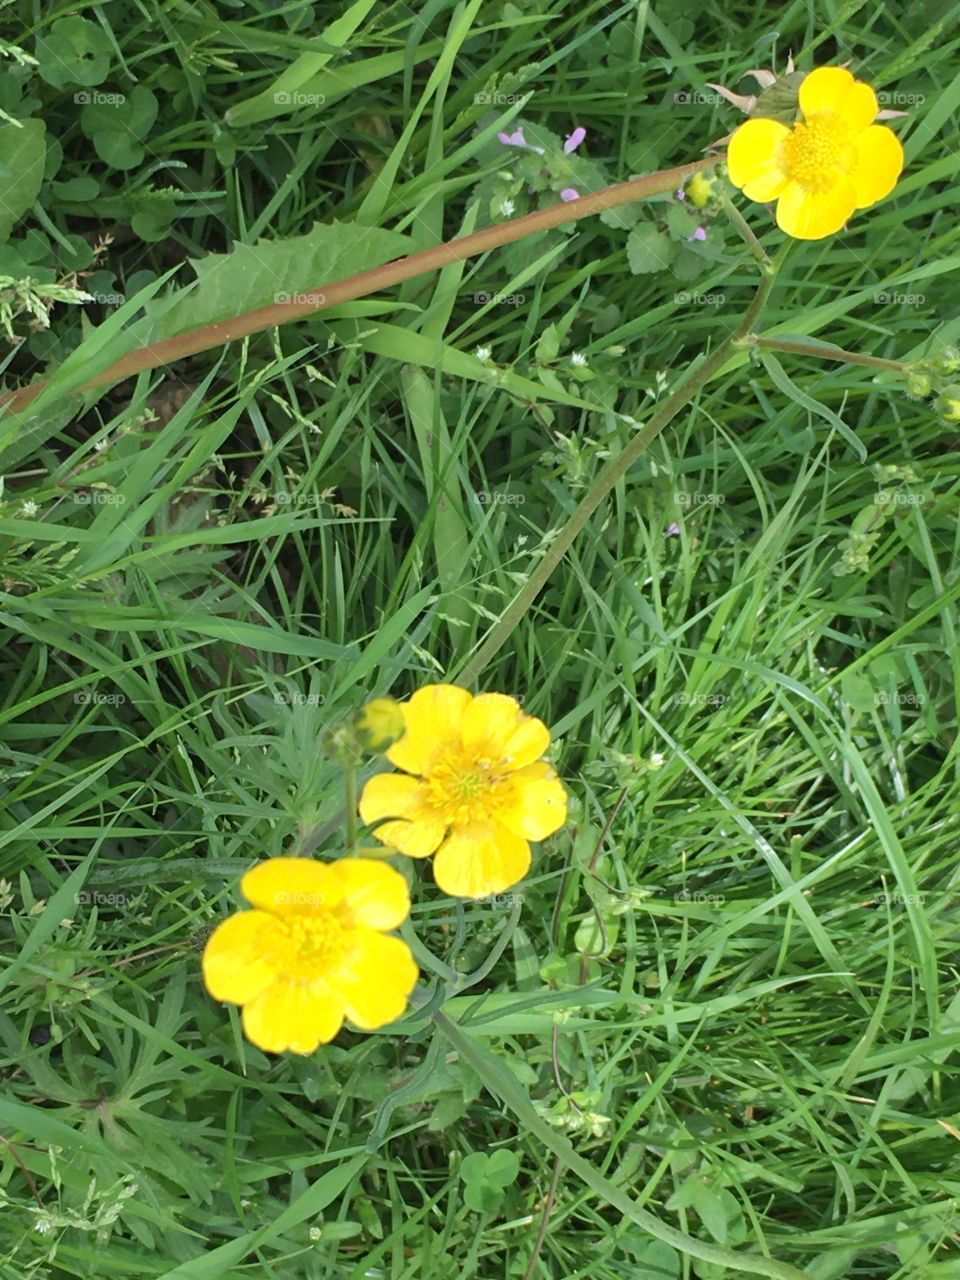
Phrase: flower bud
(381, 723)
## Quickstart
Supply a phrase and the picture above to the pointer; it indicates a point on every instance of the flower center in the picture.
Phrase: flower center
(313, 943)
(817, 151)
(461, 790)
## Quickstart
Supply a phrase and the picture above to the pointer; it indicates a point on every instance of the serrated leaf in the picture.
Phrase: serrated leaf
(22, 153)
(621, 218)
(649, 249)
(681, 222)
(257, 275)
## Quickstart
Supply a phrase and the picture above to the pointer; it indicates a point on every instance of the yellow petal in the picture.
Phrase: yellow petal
(432, 717)
(823, 90)
(807, 215)
(527, 743)
(390, 795)
(879, 164)
(415, 839)
(535, 806)
(858, 109)
(489, 722)
(242, 955)
(755, 158)
(374, 893)
(375, 979)
(480, 859)
(291, 886)
(293, 1015)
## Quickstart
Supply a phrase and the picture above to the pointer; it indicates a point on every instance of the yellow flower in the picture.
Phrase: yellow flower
(831, 162)
(479, 791)
(949, 408)
(381, 722)
(700, 189)
(313, 951)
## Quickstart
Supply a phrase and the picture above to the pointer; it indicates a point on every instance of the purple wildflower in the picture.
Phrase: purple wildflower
(568, 193)
(574, 140)
(699, 234)
(679, 193)
(671, 530)
(516, 139)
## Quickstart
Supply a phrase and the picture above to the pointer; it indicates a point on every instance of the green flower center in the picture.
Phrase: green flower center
(817, 151)
(313, 943)
(464, 789)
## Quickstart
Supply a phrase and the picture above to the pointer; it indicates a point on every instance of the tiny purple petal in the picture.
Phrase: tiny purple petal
(680, 193)
(671, 530)
(574, 140)
(568, 193)
(699, 234)
(515, 139)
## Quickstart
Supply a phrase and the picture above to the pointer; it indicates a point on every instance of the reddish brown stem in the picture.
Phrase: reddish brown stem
(366, 282)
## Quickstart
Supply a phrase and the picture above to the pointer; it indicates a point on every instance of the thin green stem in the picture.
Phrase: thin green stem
(743, 228)
(818, 352)
(350, 799)
(611, 473)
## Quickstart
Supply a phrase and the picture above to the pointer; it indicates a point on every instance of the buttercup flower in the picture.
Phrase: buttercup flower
(831, 162)
(474, 791)
(313, 951)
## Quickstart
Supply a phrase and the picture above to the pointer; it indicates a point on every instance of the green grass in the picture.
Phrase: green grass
(762, 1041)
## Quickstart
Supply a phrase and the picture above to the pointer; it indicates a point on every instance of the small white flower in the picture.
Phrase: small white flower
(507, 207)
(656, 760)
(316, 1234)
(482, 353)
(578, 358)
(101, 445)
(29, 509)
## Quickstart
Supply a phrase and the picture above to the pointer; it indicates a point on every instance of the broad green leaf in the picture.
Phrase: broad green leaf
(22, 153)
(649, 249)
(271, 271)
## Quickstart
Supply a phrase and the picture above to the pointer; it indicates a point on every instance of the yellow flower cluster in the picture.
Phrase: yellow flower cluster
(316, 949)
